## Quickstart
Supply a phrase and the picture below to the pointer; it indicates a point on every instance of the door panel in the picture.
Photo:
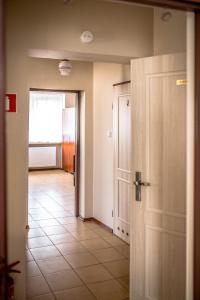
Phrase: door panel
(158, 239)
(122, 140)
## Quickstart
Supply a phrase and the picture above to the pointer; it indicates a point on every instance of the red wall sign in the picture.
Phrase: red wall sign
(11, 102)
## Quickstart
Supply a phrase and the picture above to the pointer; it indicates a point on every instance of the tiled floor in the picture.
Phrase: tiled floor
(66, 258)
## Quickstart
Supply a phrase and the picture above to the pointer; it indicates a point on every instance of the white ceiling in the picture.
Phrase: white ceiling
(78, 56)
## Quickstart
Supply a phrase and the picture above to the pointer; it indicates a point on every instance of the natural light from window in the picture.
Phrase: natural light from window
(45, 117)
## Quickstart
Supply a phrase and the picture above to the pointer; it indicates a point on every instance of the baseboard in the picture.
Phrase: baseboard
(85, 219)
(44, 169)
(97, 222)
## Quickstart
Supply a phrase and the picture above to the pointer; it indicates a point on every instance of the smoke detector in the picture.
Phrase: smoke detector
(87, 37)
(65, 67)
(166, 16)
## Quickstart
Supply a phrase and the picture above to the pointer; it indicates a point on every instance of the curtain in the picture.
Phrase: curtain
(45, 117)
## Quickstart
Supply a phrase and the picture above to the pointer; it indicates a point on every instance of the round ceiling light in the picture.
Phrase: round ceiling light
(87, 37)
(65, 67)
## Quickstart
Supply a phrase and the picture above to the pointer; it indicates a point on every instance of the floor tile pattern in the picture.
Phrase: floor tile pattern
(66, 258)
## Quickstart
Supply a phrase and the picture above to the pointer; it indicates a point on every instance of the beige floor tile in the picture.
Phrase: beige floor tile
(61, 214)
(78, 293)
(68, 220)
(85, 235)
(49, 222)
(45, 252)
(32, 269)
(93, 273)
(62, 238)
(76, 227)
(43, 297)
(30, 218)
(53, 265)
(114, 241)
(41, 217)
(39, 210)
(54, 208)
(81, 260)
(38, 242)
(118, 268)
(108, 290)
(29, 256)
(73, 247)
(92, 225)
(124, 281)
(33, 204)
(108, 254)
(35, 232)
(51, 230)
(33, 224)
(97, 243)
(124, 250)
(103, 232)
(63, 280)
(36, 286)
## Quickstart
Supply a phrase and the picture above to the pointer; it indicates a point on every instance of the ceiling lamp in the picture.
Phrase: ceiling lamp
(87, 37)
(65, 67)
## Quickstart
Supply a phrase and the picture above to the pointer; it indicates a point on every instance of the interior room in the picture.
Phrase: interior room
(89, 154)
(52, 149)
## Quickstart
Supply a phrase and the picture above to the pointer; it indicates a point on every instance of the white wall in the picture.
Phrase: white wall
(169, 36)
(105, 75)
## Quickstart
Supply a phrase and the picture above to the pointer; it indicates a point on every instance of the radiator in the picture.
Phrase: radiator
(42, 157)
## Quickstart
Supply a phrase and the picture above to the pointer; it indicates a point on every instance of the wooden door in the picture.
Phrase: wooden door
(158, 236)
(122, 160)
(3, 260)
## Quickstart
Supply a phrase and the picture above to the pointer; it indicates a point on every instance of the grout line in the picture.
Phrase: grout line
(77, 240)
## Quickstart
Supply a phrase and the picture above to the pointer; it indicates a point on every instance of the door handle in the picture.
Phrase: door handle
(138, 183)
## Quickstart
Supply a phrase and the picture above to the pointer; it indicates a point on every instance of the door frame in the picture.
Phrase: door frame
(3, 219)
(77, 144)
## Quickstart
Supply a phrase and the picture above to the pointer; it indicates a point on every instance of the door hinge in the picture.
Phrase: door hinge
(112, 213)
(112, 106)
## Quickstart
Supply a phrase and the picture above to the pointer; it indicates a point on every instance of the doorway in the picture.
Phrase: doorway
(53, 151)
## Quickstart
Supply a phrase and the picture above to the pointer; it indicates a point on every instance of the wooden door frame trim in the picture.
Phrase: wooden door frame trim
(77, 146)
(3, 213)
(77, 157)
(197, 162)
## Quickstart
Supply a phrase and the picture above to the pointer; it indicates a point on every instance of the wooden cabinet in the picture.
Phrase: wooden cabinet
(68, 155)
(68, 145)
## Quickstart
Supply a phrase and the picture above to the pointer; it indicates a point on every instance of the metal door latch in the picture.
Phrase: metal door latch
(138, 183)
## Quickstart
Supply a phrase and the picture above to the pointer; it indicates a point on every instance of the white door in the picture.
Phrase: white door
(158, 219)
(122, 160)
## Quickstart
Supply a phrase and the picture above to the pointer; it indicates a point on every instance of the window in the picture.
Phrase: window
(45, 118)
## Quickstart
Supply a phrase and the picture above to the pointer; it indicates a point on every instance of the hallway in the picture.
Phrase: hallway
(67, 258)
